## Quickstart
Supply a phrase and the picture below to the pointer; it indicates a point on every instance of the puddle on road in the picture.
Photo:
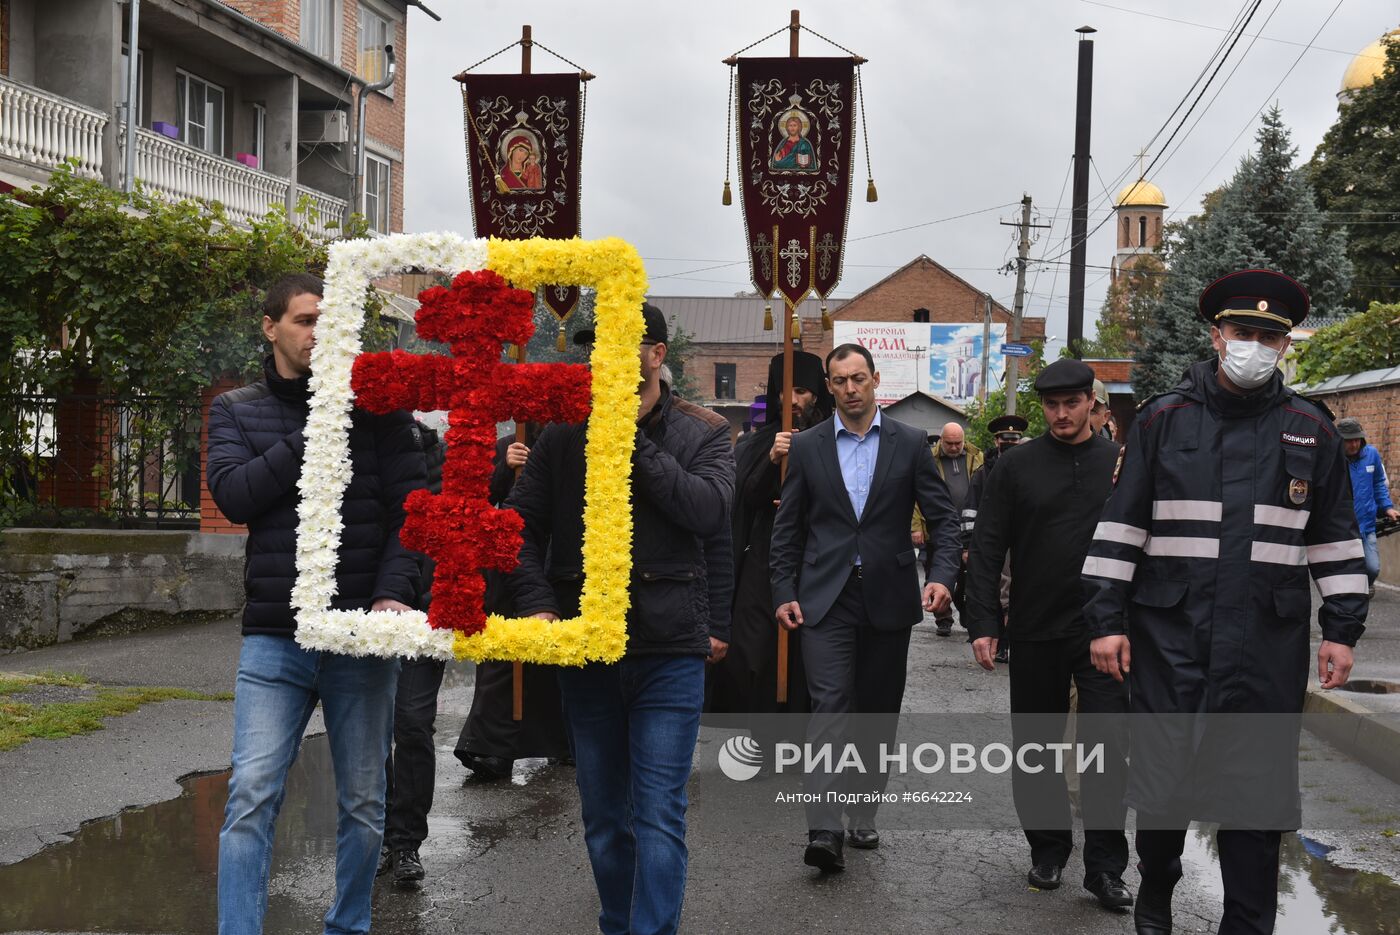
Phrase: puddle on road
(1315, 896)
(154, 869)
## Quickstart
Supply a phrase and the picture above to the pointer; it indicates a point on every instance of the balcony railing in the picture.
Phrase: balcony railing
(178, 171)
(44, 129)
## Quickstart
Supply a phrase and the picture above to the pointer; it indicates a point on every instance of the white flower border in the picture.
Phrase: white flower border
(326, 469)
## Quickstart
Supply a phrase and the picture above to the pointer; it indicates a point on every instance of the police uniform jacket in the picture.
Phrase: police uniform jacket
(1222, 506)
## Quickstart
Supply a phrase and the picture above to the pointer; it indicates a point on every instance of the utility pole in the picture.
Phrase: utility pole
(1079, 218)
(1023, 250)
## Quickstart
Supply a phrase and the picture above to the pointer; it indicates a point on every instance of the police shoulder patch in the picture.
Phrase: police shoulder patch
(1293, 438)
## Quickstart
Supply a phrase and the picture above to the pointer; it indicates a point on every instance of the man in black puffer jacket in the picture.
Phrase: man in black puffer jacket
(634, 723)
(255, 456)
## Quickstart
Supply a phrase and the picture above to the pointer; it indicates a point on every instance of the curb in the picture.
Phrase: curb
(1359, 732)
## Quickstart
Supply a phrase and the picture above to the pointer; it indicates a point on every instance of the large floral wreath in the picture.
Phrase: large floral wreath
(599, 633)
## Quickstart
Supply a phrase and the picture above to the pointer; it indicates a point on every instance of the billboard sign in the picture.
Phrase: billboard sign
(941, 359)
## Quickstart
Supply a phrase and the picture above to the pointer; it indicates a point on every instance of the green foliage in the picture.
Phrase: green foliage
(680, 347)
(1356, 172)
(1126, 310)
(1266, 216)
(1366, 341)
(131, 295)
(1027, 403)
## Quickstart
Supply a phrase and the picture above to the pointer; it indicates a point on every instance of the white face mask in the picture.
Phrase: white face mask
(1249, 364)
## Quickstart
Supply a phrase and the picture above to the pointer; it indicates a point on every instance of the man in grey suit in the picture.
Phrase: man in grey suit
(843, 569)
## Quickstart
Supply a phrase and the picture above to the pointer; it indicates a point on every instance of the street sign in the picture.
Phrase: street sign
(1016, 350)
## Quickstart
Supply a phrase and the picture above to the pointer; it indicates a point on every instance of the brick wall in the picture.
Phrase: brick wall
(384, 116)
(210, 519)
(921, 284)
(750, 370)
(1377, 408)
(282, 15)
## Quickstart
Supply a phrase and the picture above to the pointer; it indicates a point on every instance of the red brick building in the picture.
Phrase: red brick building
(731, 349)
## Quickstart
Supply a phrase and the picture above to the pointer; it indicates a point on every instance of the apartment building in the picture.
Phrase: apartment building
(247, 102)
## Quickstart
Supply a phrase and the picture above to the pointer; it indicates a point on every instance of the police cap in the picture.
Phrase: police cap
(1065, 375)
(1255, 298)
(1007, 424)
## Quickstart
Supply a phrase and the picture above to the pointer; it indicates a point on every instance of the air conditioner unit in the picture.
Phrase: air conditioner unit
(323, 126)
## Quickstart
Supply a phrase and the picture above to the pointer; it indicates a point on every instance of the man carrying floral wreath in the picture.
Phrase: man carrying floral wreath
(635, 722)
(256, 449)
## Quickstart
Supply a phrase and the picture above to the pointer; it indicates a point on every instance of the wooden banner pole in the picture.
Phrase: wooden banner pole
(793, 27)
(517, 669)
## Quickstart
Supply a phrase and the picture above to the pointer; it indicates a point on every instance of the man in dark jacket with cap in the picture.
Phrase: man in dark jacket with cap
(255, 455)
(1231, 489)
(1041, 506)
(746, 681)
(635, 722)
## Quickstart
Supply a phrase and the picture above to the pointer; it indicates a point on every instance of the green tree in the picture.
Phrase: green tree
(1266, 216)
(1126, 310)
(1356, 172)
(680, 348)
(1369, 340)
(1027, 403)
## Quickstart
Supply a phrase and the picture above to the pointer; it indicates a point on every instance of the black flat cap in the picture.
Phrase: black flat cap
(1255, 298)
(1350, 429)
(1007, 424)
(655, 324)
(1065, 375)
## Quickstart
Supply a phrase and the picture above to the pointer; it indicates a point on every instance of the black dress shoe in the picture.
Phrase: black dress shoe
(824, 851)
(865, 839)
(1003, 656)
(487, 768)
(943, 627)
(1110, 889)
(1153, 913)
(1044, 876)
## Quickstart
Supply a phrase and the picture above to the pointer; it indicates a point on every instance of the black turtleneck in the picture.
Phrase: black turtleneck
(1041, 506)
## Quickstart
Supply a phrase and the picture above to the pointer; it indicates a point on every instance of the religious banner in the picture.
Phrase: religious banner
(794, 123)
(524, 143)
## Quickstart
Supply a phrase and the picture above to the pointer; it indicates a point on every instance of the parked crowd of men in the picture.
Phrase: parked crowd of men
(1129, 576)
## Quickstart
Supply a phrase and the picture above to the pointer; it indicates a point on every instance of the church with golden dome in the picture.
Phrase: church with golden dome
(1366, 67)
(1138, 209)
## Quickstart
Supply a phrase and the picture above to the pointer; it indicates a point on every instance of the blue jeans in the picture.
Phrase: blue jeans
(278, 686)
(1373, 556)
(634, 725)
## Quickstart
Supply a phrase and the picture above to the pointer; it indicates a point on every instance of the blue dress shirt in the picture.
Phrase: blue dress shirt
(856, 454)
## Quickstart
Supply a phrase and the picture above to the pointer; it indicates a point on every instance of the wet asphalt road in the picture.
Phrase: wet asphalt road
(510, 858)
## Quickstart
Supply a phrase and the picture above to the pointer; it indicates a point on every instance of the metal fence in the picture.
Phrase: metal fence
(82, 460)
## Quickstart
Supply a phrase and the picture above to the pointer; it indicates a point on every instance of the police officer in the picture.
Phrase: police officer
(1230, 490)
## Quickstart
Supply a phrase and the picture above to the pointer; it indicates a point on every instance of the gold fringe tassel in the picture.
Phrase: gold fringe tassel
(796, 327)
(826, 318)
(870, 193)
(510, 351)
(767, 318)
(559, 341)
(501, 185)
(726, 198)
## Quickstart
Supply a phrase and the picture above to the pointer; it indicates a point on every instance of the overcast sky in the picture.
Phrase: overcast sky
(971, 104)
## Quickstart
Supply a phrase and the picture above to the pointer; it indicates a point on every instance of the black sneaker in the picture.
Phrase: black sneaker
(943, 627)
(408, 869)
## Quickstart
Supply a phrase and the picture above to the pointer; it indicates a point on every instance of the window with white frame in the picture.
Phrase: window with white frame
(140, 81)
(260, 134)
(201, 107)
(318, 27)
(378, 192)
(374, 34)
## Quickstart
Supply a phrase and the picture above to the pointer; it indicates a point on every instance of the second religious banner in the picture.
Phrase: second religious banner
(524, 145)
(795, 147)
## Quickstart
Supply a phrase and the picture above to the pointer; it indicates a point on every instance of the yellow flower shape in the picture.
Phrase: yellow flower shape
(599, 633)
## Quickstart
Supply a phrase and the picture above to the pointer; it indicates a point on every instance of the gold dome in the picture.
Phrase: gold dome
(1367, 66)
(1141, 193)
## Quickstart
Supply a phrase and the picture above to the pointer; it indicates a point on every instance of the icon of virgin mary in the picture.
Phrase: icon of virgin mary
(520, 158)
(794, 152)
